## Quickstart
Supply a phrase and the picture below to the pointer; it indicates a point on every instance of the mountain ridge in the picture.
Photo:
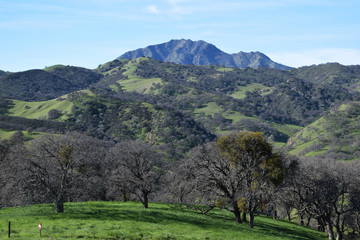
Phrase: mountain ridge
(202, 53)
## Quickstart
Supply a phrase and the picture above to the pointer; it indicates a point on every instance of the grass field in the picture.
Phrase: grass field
(118, 220)
(241, 93)
(137, 84)
(39, 110)
(6, 135)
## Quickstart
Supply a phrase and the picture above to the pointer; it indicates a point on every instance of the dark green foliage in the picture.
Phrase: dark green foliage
(331, 73)
(4, 105)
(79, 77)
(103, 68)
(54, 114)
(44, 85)
(19, 123)
(264, 128)
(120, 120)
(295, 101)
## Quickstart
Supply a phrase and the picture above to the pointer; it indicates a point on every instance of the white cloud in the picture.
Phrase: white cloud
(152, 9)
(343, 56)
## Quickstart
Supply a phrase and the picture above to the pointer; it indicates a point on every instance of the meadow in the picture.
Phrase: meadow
(129, 220)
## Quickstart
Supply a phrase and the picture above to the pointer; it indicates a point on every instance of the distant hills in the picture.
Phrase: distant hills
(46, 84)
(202, 53)
(310, 111)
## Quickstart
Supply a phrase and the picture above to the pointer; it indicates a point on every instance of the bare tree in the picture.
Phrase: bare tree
(137, 167)
(327, 190)
(63, 166)
(11, 166)
(214, 179)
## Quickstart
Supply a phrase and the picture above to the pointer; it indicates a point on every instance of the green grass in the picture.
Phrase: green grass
(137, 84)
(6, 135)
(52, 68)
(39, 110)
(211, 108)
(241, 93)
(224, 69)
(117, 220)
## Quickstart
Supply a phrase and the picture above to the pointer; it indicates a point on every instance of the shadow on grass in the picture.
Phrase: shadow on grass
(295, 231)
(162, 215)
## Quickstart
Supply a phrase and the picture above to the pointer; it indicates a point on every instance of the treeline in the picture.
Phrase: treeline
(239, 172)
(19, 123)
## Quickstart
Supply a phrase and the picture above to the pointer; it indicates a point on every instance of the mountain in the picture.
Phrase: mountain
(202, 53)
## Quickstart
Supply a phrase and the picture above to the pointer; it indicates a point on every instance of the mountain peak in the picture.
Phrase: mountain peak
(186, 51)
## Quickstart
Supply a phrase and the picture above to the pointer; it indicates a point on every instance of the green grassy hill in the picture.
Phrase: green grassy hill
(336, 134)
(276, 103)
(40, 110)
(118, 220)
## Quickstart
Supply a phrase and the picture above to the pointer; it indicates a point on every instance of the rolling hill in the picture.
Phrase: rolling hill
(119, 220)
(309, 111)
(176, 105)
(46, 84)
(336, 135)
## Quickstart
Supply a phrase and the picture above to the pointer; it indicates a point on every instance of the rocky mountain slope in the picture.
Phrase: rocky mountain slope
(202, 53)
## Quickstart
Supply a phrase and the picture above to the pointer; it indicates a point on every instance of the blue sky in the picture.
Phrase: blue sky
(86, 33)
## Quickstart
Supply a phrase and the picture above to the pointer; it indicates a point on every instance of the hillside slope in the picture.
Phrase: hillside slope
(46, 84)
(336, 135)
(180, 106)
(129, 220)
(201, 53)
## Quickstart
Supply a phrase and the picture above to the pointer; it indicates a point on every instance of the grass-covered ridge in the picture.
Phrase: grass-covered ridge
(118, 220)
(335, 134)
(40, 110)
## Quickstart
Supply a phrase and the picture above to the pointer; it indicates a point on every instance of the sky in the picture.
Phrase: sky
(39, 33)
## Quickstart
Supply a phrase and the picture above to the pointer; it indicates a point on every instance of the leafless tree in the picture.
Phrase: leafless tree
(11, 166)
(64, 166)
(327, 190)
(136, 167)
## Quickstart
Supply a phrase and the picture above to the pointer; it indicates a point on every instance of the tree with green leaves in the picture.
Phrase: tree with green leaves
(260, 168)
(240, 172)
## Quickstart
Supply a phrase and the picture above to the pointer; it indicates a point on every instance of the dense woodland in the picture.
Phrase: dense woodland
(156, 144)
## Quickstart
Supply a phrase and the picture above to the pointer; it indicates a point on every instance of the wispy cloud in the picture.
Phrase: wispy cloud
(343, 56)
(152, 9)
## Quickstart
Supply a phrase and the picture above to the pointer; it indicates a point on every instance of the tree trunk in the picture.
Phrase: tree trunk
(302, 220)
(289, 216)
(274, 214)
(251, 219)
(330, 231)
(243, 216)
(146, 200)
(237, 212)
(340, 234)
(59, 206)
(321, 225)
